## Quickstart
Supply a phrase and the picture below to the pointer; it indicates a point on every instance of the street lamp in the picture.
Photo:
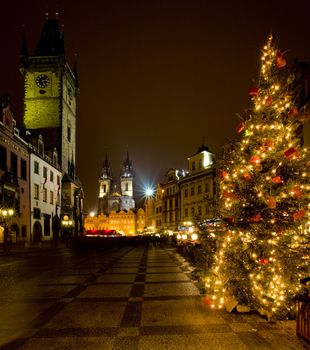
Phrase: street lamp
(5, 215)
(67, 227)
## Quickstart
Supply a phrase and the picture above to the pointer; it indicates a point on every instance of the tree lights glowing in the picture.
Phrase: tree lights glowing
(264, 190)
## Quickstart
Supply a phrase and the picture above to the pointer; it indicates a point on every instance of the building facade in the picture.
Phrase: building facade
(128, 223)
(198, 188)
(45, 191)
(186, 196)
(14, 177)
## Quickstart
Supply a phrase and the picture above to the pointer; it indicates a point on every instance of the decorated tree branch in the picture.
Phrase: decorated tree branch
(264, 188)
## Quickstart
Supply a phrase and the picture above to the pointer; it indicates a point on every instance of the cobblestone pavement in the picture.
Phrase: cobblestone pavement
(131, 298)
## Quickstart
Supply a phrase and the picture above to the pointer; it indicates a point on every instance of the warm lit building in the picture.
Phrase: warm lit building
(14, 176)
(171, 206)
(185, 196)
(129, 222)
(198, 187)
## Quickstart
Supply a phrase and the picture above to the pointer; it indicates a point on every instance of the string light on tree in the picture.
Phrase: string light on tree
(265, 200)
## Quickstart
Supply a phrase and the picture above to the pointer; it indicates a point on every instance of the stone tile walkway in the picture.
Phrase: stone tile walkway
(137, 299)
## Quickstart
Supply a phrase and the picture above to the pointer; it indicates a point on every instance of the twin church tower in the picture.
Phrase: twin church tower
(111, 196)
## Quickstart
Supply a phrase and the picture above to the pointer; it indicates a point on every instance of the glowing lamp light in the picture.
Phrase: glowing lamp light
(91, 214)
(179, 236)
(184, 236)
(149, 192)
(194, 237)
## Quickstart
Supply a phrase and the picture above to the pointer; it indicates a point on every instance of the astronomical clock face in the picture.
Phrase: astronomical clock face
(42, 81)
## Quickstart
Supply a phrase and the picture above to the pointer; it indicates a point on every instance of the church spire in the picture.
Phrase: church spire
(105, 173)
(51, 42)
(127, 169)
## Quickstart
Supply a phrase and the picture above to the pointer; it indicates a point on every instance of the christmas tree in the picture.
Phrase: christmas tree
(264, 189)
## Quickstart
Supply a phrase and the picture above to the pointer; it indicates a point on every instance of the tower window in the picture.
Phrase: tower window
(126, 186)
(69, 134)
(193, 166)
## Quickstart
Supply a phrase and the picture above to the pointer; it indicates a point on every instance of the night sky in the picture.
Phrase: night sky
(155, 76)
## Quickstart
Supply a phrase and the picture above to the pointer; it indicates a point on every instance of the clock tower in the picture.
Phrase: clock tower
(50, 91)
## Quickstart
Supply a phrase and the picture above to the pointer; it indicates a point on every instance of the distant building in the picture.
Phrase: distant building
(198, 187)
(116, 196)
(186, 196)
(129, 222)
(14, 176)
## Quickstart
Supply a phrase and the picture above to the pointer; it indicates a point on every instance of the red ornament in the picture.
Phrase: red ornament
(268, 101)
(271, 202)
(280, 60)
(255, 160)
(227, 194)
(263, 261)
(256, 218)
(247, 177)
(297, 191)
(253, 92)
(290, 152)
(207, 301)
(293, 112)
(299, 214)
(277, 180)
(268, 144)
(224, 174)
(240, 127)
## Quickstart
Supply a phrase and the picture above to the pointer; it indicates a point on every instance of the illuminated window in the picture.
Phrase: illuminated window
(36, 191)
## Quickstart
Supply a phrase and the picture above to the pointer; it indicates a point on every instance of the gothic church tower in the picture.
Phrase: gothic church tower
(50, 91)
(105, 182)
(126, 181)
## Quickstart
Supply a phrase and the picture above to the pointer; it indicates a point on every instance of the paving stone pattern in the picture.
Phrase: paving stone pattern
(139, 298)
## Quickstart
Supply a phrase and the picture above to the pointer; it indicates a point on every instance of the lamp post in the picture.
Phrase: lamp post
(5, 215)
(67, 228)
